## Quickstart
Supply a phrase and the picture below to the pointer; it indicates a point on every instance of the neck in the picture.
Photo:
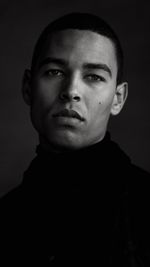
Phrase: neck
(58, 149)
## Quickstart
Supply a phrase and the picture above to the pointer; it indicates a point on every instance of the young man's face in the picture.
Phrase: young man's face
(73, 89)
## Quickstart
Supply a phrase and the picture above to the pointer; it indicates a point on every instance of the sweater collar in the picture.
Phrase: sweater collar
(105, 142)
(95, 164)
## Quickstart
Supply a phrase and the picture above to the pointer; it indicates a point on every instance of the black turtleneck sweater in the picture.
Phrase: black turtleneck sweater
(82, 207)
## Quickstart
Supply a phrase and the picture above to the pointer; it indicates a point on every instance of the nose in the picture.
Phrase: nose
(70, 91)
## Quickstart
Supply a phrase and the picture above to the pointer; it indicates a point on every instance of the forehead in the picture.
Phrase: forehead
(79, 46)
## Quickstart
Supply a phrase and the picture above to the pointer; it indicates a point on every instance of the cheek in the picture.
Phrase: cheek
(42, 101)
(106, 98)
(102, 104)
(44, 94)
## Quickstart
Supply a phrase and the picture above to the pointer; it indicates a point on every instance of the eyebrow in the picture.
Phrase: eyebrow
(52, 60)
(62, 62)
(98, 66)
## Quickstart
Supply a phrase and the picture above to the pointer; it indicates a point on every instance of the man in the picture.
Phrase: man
(81, 201)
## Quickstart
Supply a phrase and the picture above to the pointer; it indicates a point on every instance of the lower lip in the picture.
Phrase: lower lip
(67, 120)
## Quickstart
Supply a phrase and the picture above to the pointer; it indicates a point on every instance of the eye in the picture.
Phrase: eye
(54, 72)
(95, 77)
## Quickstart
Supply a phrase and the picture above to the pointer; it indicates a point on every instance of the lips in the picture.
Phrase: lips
(69, 114)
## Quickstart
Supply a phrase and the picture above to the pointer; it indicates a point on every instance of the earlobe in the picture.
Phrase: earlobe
(119, 98)
(26, 87)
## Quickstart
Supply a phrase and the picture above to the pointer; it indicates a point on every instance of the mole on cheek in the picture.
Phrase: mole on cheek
(100, 103)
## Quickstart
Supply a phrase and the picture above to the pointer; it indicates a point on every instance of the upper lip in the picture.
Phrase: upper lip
(69, 113)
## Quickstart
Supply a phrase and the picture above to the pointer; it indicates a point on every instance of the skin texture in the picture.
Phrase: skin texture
(73, 84)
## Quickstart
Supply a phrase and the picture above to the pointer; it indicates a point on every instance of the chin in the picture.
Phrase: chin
(65, 140)
(65, 143)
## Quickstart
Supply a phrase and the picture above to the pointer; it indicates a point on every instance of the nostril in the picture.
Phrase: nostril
(69, 97)
(76, 98)
(63, 96)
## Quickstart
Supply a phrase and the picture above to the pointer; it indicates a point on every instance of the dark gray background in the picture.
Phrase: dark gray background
(20, 25)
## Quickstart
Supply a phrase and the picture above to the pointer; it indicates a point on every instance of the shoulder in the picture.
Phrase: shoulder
(139, 208)
(138, 186)
(138, 182)
(12, 194)
(11, 201)
(139, 171)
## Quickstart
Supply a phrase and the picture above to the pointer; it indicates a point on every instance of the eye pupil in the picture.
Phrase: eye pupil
(95, 77)
(53, 72)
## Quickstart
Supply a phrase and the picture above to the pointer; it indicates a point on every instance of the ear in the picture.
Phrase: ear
(26, 87)
(119, 98)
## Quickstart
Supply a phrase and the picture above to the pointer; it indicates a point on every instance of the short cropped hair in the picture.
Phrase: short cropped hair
(81, 21)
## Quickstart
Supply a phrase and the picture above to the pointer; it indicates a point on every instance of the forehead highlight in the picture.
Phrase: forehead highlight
(79, 44)
(72, 37)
